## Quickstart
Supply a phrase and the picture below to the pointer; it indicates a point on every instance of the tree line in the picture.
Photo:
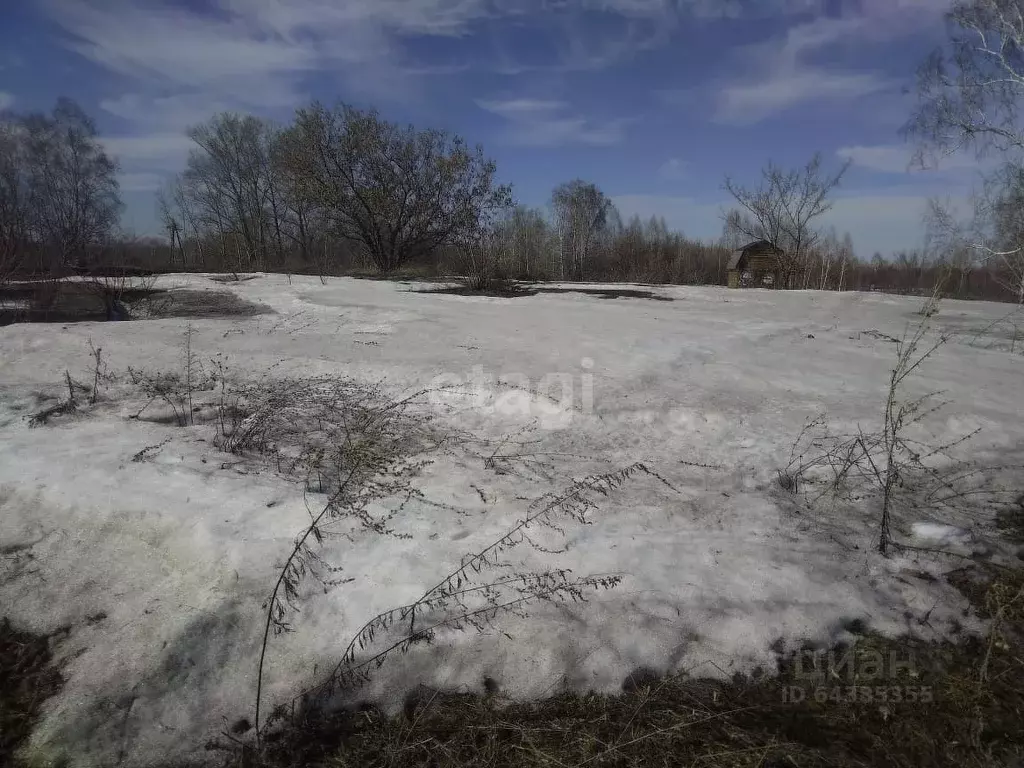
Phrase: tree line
(340, 189)
(59, 195)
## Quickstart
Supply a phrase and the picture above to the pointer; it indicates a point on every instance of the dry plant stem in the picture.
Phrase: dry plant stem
(272, 602)
(373, 473)
(575, 502)
(188, 373)
(908, 361)
(889, 465)
(997, 621)
(684, 724)
(97, 353)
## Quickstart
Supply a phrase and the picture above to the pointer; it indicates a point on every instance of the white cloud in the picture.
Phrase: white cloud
(673, 168)
(752, 102)
(526, 108)
(6, 100)
(899, 158)
(783, 73)
(164, 151)
(140, 182)
(182, 66)
(166, 113)
(255, 55)
(882, 158)
(548, 123)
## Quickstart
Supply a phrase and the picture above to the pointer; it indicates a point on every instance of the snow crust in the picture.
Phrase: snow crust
(158, 568)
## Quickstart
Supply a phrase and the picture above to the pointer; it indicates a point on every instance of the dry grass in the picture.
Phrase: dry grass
(27, 679)
(976, 717)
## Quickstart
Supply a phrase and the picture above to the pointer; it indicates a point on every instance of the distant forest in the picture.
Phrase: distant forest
(344, 191)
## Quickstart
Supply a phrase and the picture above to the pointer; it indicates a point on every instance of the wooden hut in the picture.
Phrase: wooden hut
(759, 265)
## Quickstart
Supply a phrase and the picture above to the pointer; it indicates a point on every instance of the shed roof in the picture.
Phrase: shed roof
(760, 244)
(737, 255)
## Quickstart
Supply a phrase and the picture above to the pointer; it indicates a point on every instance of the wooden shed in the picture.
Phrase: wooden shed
(759, 264)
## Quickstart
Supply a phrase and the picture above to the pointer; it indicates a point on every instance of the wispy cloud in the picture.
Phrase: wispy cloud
(164, 113)
(140, 182)
(6, 100)
(751, 102)
(252, 53)
(258, 54)
(899, 159)
(584, 41)
(155, 151)
(551, 123)
(673, 168)
(886, 158)
(780, 74)
(522, 108)
(178, 65)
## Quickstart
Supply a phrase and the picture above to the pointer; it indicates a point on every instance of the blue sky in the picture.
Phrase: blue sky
(654, 100)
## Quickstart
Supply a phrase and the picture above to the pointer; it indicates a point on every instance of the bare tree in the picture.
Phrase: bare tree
(970, 93)
(399, 193)
(178, 214)
(581, 211)
(783, 208)
(74, 196)
(1004, 209)
(732, 230)
(14, 199)
(528, 241)
(992, 235)
(847, 257)
(230, 184)
(970, 90)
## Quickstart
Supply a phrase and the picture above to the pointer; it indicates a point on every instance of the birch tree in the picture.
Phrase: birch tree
(73, 193)
(970, 95)
(230, 183)
(14, 199)
(581, 212)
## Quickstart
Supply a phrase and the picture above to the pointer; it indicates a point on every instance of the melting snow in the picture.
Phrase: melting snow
(160, 567)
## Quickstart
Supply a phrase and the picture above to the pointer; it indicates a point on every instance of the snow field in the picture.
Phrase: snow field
(159, 567)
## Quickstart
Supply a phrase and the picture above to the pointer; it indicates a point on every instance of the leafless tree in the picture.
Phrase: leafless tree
(970, 89)
(304, 222)
(180, 220)
(232, 190)
(970, 93)
(74, 196)
(581, 212)
(732, 230)
(527, 242)
(14, 199)
(1004, 209)
(782, 209)
(991, 236)
(399, 193)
